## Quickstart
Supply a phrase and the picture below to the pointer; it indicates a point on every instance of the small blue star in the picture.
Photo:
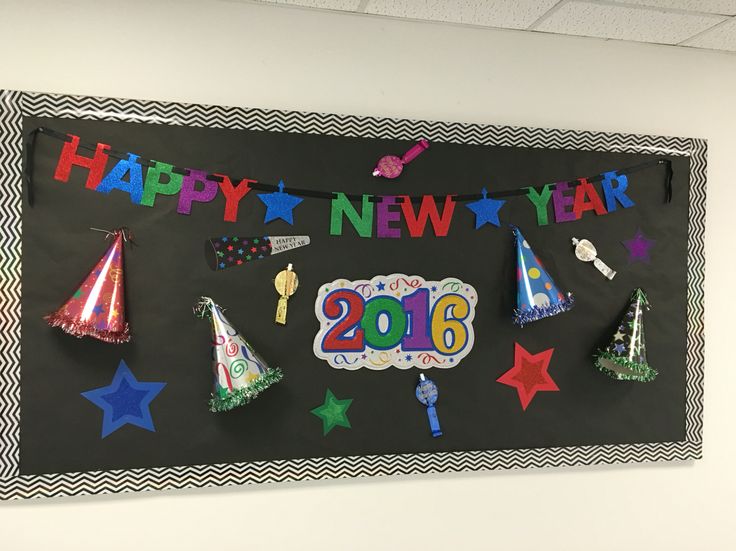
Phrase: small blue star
(619, 348)
(222, 264)
(98, 309)
(279, 204)
(408, 357)
(224, 239)
(486, 210)
(125, 401)
(434, 288)
(381, 286)
(240, 251)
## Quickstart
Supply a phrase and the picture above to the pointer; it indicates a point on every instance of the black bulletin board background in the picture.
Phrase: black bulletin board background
(166, 272)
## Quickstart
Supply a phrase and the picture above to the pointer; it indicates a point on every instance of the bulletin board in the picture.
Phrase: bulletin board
(55, 439)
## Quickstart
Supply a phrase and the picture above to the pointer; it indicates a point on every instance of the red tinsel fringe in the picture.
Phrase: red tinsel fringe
(79, 330)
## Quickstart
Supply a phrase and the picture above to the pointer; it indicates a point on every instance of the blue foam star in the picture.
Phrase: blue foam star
(124, 401)
(279, 204)
(98, 309)
(619, 348)
(486, 210)
(381, 286)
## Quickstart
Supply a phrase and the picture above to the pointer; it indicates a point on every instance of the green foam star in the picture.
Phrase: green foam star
(332, 412)
(78, 294)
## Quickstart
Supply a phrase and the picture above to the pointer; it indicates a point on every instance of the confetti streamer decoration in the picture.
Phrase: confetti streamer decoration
(625, 358)
(279, 204)
(391, 166)
(427, 393)
(240, 373)
(537, 295)
(97, 307)
(226, 252)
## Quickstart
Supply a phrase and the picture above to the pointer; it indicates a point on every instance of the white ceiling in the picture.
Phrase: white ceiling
(691, 23)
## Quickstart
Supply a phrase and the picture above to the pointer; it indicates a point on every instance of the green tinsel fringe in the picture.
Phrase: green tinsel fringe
(203, 308)
(242, 396)
(640, 372)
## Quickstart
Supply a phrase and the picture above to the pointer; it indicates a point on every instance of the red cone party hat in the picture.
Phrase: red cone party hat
(97, 308)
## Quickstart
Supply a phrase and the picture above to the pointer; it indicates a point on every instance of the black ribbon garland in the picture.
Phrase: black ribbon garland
(120, 155)
(30, 147)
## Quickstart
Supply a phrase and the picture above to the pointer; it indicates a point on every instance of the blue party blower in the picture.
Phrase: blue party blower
(427, 394)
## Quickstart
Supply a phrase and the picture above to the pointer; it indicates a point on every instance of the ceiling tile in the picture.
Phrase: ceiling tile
(723, 7)
(626, 23)
(722, 37)
(510, 14)
(345, 5)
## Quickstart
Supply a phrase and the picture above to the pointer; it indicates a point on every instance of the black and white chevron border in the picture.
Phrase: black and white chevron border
(15, 105)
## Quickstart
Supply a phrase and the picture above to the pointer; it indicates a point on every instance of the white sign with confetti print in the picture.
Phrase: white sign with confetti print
(395, 320)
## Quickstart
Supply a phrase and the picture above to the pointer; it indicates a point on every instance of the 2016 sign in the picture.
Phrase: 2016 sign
(395, 320)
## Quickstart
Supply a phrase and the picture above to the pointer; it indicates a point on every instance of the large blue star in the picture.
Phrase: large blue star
(124, 401)
(486, 210)
(279, 204)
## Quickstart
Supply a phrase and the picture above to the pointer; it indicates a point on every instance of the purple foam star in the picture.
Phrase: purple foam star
(638, 247)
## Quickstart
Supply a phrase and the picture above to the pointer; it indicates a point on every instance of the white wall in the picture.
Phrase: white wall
(266, 56)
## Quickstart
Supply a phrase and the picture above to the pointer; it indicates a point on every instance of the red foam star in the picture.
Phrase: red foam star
(529, 374)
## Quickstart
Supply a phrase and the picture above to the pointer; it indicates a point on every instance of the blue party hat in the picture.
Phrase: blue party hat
(537, 296)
